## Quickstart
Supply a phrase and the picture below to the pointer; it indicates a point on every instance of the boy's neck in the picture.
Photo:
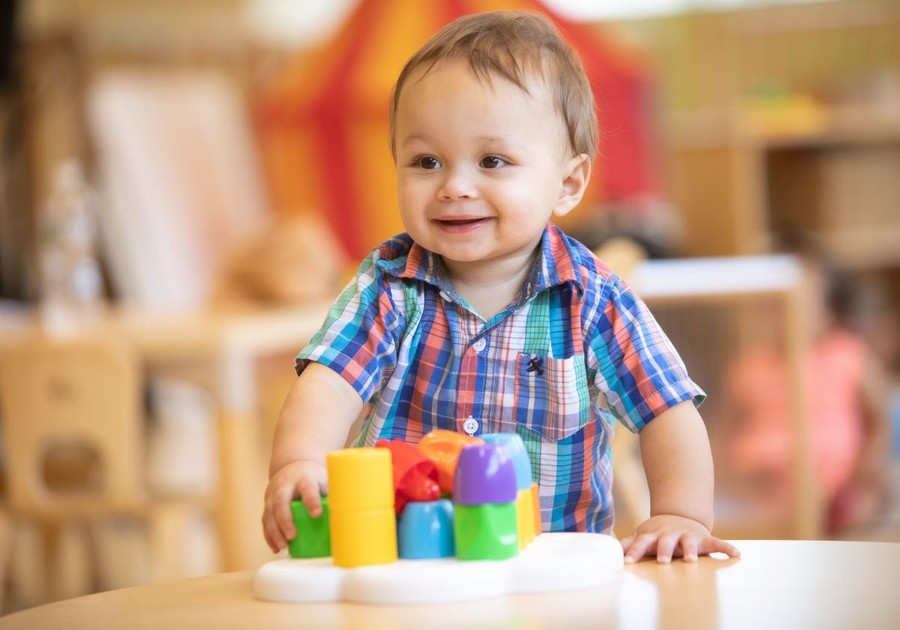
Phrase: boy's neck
(490, 286)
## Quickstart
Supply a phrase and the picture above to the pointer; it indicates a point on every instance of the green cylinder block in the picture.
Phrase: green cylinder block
(313, 538)
(486, 532)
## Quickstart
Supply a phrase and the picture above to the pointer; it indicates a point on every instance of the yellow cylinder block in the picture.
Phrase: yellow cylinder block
(363, 537)
(360, 479)
(363, 523)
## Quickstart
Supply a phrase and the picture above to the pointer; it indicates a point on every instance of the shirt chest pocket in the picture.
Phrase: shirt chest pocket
(552, 396)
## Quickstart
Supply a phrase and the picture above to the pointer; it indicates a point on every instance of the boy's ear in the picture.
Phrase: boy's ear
(577, 174)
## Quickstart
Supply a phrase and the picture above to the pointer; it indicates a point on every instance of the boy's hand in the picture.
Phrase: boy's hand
(303, 479)
(669, 536)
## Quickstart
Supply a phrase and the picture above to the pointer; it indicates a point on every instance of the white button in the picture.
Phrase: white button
(479, 344)
(470, 426)
(446, 297)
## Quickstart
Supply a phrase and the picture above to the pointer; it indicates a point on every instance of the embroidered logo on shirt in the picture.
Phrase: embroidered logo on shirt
(536, 364)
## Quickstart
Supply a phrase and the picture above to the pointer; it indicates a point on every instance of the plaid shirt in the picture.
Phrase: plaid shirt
(575, 353)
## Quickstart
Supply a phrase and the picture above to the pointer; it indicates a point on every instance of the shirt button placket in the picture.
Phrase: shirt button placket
(471, 426)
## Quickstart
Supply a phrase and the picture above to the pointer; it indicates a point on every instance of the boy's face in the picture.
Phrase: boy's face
(481, 168)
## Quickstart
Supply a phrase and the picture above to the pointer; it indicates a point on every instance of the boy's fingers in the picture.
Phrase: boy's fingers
(665, 547)
(281, 511)
(273, 535)
(639, 547)
(712, 545)
(689, 548)
(308, 491)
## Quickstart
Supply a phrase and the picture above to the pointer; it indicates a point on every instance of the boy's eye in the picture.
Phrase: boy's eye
(427, 162)
(491, 161)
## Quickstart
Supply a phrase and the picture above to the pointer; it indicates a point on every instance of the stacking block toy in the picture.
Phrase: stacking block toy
(361, 503)
(484, 474)
(425, 530)
(443, 448)
(437, 540)
(515, 447)
(485, 521)
(524, 500)
(486, 532)
(536, 501)
(559, 561)
(415, 476)
(525, 517)
(313, 539)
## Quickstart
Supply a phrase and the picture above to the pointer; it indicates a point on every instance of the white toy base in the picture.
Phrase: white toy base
(553, 562)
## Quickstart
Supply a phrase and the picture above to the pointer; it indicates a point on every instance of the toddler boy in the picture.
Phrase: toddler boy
(484, 317)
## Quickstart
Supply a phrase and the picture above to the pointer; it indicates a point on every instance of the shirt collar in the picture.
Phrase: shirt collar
(555, 264)
(402, 257)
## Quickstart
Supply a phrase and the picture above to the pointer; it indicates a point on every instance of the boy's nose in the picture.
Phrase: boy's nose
(457, 184)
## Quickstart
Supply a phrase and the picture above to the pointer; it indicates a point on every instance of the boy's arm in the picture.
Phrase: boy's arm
(678, 464)
(316, 417)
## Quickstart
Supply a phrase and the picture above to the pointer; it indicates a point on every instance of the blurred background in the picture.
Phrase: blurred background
(193, 182)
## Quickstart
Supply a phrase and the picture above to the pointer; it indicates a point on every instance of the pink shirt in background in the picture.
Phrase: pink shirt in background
(758, 387)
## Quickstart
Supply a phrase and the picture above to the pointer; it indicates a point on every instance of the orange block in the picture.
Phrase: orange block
(443, 448)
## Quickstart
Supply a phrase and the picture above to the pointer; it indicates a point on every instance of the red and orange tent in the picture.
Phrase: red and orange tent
(323, 123)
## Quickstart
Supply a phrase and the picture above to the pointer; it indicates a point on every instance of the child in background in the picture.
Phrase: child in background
(847, 399)
(484, 317)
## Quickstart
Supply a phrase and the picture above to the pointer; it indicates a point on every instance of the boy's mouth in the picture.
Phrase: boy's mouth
(461, 221)
(458, 225)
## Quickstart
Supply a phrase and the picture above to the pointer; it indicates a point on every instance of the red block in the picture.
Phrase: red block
(415, 476)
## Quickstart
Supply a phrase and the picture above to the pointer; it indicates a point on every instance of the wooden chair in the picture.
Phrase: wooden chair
(73, 446)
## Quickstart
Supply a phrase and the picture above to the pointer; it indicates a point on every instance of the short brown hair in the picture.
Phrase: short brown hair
(511, 44)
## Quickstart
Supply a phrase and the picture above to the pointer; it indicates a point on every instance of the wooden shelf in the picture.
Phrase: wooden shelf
(839, 183)
(847, 125)
(864, 248)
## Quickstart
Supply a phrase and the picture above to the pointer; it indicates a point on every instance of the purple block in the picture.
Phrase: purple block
(485, 473)
(519, 454)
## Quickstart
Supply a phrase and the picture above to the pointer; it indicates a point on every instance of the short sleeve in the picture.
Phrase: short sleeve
(358, 338)
(639, 373)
